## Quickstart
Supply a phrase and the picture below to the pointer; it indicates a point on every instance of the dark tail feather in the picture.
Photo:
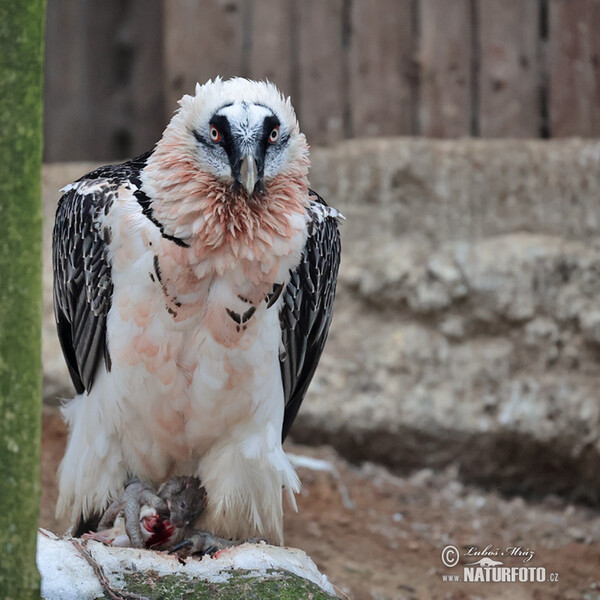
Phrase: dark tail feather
(86, 525)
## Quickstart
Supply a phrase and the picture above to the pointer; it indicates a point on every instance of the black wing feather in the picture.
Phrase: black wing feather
(82, 271)
(307, 310)
(82, 284)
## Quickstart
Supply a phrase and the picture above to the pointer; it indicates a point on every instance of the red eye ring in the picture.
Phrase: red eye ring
(274, 135)
(215, 134)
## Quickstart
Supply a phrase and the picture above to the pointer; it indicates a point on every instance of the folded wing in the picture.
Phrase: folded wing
(307, 307)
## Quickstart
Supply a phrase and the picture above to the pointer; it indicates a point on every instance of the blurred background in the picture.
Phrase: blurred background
(482, 68)
(457, 400)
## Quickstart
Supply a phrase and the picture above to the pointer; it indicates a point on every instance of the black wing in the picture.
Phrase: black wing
(82, 272)
(307, 308)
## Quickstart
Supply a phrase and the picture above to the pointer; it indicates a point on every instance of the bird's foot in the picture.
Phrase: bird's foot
(205, 543)
(135, 496)
(201, 542)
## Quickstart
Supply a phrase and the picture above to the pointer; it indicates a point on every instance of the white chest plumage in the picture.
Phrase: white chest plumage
(195, 384)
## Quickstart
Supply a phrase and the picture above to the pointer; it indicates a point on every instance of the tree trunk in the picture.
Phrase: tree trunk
(21, 68)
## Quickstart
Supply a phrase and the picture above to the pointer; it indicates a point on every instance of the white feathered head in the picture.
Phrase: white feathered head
(242, 132)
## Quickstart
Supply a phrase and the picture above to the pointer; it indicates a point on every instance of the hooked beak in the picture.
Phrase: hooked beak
(248, 173)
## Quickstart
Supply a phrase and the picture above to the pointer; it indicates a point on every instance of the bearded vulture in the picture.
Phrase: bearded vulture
(193, 293)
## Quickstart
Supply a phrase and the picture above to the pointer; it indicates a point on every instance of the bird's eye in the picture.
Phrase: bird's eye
(215, 134)
(274, 135)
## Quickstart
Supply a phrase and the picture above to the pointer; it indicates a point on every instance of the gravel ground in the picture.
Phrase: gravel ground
(388, 543)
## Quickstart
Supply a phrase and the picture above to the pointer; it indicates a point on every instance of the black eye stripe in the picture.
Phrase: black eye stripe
(222, 125)
(200, 139)
(233, 148)
(226, 142)
(269, 124)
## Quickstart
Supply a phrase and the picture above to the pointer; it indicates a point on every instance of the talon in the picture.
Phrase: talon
(181, 545)
(110, 515)
(202, 542)
(256, 540)
(138, 495)
(135, 496)
(145, 517)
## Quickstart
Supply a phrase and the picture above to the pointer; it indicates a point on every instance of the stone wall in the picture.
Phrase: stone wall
(467, 327)
(468, 323)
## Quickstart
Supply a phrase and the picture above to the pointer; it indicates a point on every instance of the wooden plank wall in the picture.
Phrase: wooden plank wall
(103, 78)
(442, 68)
(510, 78)
(202, 40)
(446, 59)
(574, 82)
(382, 68)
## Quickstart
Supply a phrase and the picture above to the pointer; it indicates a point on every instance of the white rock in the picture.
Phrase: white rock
(67, 575)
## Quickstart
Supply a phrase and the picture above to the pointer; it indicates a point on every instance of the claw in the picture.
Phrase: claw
(145, 517)
(256, 540)
(201, 542)
(110, 515)
(181, 545)
(135, 496)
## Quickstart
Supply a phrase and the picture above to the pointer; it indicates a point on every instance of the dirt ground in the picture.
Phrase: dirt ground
(388, 544)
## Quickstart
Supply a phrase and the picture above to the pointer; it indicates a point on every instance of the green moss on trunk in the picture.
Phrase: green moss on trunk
(21, 68)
